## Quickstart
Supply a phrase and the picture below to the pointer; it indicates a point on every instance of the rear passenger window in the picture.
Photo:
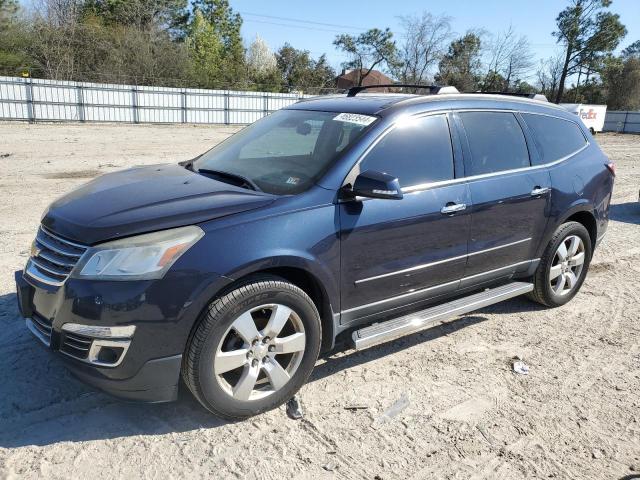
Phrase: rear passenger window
(417, 150)
(496, 141)
(556, 138)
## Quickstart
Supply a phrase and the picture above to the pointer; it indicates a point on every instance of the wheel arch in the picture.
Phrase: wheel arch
(581, 212)
(588, 220)
(294, 271)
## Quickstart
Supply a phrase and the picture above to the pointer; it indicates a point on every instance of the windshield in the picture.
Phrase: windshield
(287, 151)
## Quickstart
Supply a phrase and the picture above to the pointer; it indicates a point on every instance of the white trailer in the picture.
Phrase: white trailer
(591, 115)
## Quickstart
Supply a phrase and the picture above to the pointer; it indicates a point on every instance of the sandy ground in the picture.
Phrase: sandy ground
(466, 415)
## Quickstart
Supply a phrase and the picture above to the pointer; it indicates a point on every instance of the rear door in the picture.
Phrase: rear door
(510, 198)
(400, 252)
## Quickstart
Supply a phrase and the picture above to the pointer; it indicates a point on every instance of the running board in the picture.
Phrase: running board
(414, 322)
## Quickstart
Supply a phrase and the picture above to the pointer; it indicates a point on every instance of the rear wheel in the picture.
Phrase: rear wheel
(563, 266)
(254, 349)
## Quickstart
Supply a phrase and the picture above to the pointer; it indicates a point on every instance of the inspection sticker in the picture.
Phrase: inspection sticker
(356, 118)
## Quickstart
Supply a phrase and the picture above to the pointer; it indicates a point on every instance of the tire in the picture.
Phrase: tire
(235, 370)
(557, 281)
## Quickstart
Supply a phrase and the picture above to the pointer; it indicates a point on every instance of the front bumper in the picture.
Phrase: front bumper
(151, 320)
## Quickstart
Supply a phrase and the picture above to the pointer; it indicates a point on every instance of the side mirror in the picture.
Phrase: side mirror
(372, 184)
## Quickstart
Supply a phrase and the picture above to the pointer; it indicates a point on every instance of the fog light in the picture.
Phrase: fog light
(107, 346)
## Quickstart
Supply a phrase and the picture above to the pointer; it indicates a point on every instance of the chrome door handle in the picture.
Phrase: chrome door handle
(453, 208)
(537, 191)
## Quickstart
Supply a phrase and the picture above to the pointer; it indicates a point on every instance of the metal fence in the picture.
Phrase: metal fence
(34, 100)
(622, 122)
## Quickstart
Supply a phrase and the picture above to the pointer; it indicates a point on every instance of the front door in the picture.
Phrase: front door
(510, 199)
(400, 252)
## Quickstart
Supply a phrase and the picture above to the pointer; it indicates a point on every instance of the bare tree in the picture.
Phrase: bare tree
(510, 59)
(549, 74)
(424, 43)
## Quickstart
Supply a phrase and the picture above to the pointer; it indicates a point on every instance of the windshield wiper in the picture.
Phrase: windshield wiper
(231, 178)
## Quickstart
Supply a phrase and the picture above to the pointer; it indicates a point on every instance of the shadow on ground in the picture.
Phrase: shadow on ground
(43, 404)
(628, 212)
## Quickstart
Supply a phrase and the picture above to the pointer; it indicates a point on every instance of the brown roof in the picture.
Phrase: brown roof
(350, 79)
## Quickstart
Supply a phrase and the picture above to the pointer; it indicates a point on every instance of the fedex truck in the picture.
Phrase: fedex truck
(591, 115)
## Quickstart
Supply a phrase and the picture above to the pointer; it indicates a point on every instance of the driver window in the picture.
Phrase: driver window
(417, 150)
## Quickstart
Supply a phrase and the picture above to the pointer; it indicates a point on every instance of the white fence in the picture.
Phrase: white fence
(51, 100)
(622, 122)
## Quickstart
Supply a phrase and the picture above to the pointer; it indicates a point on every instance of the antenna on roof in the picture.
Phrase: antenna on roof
(433, 89)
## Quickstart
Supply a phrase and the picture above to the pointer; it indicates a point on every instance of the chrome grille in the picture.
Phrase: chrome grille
(52, 258)
(40, 327)
(75, 345)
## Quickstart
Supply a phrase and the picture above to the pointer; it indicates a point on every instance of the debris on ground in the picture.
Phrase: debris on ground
(294, 408)
(356, 406)
(520, 367)
(393, 411)
(330, 467)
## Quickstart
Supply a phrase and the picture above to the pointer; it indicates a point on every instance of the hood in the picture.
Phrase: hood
(145, 199)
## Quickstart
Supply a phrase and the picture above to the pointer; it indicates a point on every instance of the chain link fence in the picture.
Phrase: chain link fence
(33, 100)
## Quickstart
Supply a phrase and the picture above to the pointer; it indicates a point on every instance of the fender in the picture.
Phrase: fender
(299, 260)
(579, 205)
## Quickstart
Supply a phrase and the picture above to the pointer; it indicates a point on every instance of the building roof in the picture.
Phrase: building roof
(349, 78)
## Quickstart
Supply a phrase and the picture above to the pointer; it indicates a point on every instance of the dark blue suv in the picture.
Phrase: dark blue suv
(363, 217)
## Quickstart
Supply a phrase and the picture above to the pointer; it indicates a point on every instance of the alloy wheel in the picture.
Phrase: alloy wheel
(260, 352)
(567, 265)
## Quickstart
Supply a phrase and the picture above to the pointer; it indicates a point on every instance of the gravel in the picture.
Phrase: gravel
(575, 416)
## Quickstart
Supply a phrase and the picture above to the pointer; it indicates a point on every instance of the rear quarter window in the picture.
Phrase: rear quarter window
(555, 137)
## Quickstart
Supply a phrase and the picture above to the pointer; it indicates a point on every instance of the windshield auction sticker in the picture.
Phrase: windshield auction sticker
(355, 118)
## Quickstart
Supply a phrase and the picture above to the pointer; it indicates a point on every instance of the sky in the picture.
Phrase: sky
(533, 18)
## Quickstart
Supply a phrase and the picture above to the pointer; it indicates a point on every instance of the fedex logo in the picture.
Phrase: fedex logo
(588, 114)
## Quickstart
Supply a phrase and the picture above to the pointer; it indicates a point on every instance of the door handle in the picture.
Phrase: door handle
(537, 191)
(451, 207)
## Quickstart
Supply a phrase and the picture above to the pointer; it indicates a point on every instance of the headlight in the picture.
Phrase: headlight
(142, 257)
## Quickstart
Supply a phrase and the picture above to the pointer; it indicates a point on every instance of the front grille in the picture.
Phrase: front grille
(75, 345)
(41, 328)
(53, 258)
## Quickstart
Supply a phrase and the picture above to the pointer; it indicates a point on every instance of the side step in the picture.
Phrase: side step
(414, 322)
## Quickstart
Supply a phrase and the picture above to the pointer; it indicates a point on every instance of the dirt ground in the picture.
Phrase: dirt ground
(466, 414)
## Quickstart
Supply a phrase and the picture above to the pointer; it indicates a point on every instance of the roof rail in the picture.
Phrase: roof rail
(533, 96)
(433, 89)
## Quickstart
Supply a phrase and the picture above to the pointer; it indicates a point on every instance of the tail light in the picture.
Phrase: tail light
(611, 167)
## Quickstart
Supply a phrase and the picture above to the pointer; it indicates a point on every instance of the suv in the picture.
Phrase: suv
(360, 217)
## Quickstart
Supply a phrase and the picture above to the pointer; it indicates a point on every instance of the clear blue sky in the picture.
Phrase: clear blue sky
(533, 18)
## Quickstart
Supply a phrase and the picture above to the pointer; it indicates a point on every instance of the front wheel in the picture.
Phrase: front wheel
(563, 266)
(254, 349)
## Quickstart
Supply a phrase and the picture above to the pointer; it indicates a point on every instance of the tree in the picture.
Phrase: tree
(621, 75)
(423, 46)
(510, 59)
(586, 30)
(548, 76)
(260, 58)
(461, 65)
(226, 24)
(632, 51)
(12, 39)
(262, 66)
(205, 51)
(143, 14)
(300, 72)
(368, 50)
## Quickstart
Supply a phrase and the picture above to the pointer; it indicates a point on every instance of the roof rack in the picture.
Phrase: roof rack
(433, 89)
(533, 96)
